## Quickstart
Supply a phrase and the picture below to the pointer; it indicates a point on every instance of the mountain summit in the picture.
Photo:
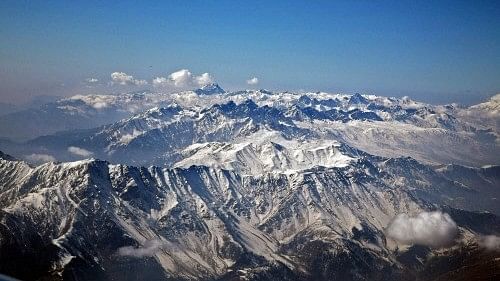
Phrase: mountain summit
(210, 89)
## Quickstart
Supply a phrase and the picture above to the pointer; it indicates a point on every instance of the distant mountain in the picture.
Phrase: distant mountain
(386, 127)
(6, 108)
(81, 112)
(210, 89)
(486, 114)
(40, 100)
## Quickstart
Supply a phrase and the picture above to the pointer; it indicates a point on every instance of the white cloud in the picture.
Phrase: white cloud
(160, 81)
(40, 158)
(127, 138)
(490, 242)
(204, 79)
(434, 229)
(183, 79)
(121, 78)
(91, 80)
(141, 82)
(79, 151)
(100, 105)
(149, 249)
(96, 101)
(253, 81)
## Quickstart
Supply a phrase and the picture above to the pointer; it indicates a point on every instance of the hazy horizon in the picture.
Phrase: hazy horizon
(464, 98)
(444, 53)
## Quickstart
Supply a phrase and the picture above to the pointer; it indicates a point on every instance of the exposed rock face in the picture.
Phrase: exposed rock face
(95, 220)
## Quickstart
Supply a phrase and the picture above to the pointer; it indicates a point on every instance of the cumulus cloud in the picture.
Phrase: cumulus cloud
(91, 80)
(253, 81)
(122, 78)
(149, 249)
(204, 79)
(182, 79)
(40, 158)
(490, 242)
(79, 151)
(160, 81)
(434, 229)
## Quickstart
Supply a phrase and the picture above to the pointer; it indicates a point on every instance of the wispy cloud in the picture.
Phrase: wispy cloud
(127, 138)
(79, 151)
(37, 158)
(253, 81)
(149, 249)
(121, 78)
(434, 229)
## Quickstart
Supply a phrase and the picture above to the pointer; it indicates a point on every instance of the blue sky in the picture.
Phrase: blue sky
(436, 51)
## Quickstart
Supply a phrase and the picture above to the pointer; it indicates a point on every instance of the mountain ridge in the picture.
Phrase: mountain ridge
(250, 185)
(138, 191)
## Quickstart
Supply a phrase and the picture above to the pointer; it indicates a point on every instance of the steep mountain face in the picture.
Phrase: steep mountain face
(250, 185)
(266, 156)
(92, 219)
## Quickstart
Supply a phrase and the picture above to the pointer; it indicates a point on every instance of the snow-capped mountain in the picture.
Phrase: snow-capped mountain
(382, 126)
(250, 185)
(85, 111)
(210, 89)
(264, 156)
(484, 115)
(94, 219)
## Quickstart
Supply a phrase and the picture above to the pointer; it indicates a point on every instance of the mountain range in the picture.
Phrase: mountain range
(250, 185)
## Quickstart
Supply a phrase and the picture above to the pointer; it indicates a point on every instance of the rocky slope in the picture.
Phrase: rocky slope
(93, 220)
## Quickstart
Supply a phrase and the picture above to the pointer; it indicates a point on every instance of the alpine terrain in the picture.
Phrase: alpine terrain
(250, 185)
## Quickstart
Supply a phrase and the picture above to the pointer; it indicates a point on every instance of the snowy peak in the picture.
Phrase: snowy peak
(492, 105)
(357, 99)
(264, 154)
(210, 89)
(163, 125)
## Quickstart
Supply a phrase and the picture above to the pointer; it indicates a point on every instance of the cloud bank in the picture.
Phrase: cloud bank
(121, 78)
(79, 151)
(253, 81)
(149, 249)
(434, 229)
(182, 79)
